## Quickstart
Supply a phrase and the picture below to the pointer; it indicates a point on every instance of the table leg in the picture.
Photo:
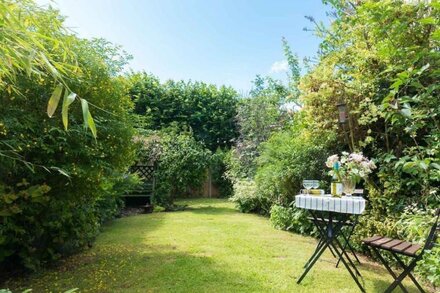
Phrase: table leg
(329, 233)
(326, 238)
(354, 277)
(347, 240)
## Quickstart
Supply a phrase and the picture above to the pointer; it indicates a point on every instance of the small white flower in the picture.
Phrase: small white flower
(356, 157)
(331, 161)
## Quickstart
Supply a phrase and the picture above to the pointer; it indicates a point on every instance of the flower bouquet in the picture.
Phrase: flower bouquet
(350, 169)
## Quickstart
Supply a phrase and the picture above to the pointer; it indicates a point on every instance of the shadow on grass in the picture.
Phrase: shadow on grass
(211, 210)
(381, 286)
(132, 229)
(125, 268)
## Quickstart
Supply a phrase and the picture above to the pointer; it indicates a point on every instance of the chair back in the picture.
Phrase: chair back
(433, 233)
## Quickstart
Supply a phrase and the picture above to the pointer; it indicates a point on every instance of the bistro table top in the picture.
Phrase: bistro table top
(345, 204)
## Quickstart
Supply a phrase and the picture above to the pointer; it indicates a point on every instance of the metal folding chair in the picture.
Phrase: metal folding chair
(402, 248)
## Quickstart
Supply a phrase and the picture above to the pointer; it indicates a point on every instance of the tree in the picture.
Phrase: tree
(208, 110)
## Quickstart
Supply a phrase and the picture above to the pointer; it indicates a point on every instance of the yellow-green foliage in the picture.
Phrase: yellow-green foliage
(57, 186)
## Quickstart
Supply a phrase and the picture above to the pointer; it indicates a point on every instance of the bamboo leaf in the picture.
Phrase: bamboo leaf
(61, 171)
(92, 125)
(88, 119)
(85, 111)
(49, 65)
(68, 100)
(54, 100)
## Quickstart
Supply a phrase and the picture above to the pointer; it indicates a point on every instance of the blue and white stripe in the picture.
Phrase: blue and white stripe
(346, 205)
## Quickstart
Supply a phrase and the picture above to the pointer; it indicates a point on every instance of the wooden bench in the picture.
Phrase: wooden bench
(143, 196)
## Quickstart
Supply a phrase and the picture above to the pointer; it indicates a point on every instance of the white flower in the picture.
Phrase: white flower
(365, 165)
(331, 161)
(356, 157)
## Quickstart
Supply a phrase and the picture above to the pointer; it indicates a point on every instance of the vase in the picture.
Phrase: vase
(348, 186)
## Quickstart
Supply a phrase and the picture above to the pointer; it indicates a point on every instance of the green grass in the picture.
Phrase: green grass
(210, 247)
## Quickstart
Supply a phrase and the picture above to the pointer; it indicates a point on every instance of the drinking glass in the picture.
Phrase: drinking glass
(308, 184)
(315, 184)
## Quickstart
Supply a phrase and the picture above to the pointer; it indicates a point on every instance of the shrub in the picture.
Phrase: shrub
(57, 186)
(181, 163)
(290, 219)
(247, 199)
(218, 167)
(288, 157)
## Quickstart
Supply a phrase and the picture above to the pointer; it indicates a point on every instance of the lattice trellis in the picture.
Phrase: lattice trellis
(146, 172)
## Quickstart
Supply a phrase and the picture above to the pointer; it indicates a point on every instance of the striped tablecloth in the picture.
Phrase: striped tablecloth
(346, 205)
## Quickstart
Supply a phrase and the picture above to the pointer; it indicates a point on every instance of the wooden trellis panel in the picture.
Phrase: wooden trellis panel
(146, 172)
(142, 197)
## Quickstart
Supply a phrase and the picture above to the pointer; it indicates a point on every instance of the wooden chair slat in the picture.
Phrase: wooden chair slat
(401, 247)
(380, 241)
(370, 239)
(391, 244)
(411, 251)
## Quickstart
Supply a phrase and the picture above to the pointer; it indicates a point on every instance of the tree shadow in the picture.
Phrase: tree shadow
(119, 269)
(211, 210)
(381, 286)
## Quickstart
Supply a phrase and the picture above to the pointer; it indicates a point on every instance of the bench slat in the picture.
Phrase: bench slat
(371, 239)
(411, 251)
(380, 242)
(391, 244)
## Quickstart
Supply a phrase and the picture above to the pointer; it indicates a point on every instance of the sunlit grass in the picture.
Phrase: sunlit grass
(209, 247)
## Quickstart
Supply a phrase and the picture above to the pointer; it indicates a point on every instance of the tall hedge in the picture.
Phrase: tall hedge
(57, 186)
(207, 109)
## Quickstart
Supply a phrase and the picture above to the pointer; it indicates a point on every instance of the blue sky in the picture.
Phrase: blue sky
(221, 42)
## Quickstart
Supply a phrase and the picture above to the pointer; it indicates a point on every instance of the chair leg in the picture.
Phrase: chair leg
(399, 279)
(385, 263)
(404, 267)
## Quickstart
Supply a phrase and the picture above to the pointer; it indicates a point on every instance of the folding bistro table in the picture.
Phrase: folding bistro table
(329, 215)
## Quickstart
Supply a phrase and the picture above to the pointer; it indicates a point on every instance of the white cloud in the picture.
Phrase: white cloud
(279, 66)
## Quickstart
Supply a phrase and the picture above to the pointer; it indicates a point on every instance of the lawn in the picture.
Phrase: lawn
(210, 247)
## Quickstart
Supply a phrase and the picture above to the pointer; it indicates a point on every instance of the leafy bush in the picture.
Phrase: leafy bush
(218, 167)
(288, 157)
(379, 58)
(257, 117)
(246, 198)
(57, 186)
(181, 163)
(290, 219)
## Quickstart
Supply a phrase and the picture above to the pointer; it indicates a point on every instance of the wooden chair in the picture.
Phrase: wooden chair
(403, 248)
